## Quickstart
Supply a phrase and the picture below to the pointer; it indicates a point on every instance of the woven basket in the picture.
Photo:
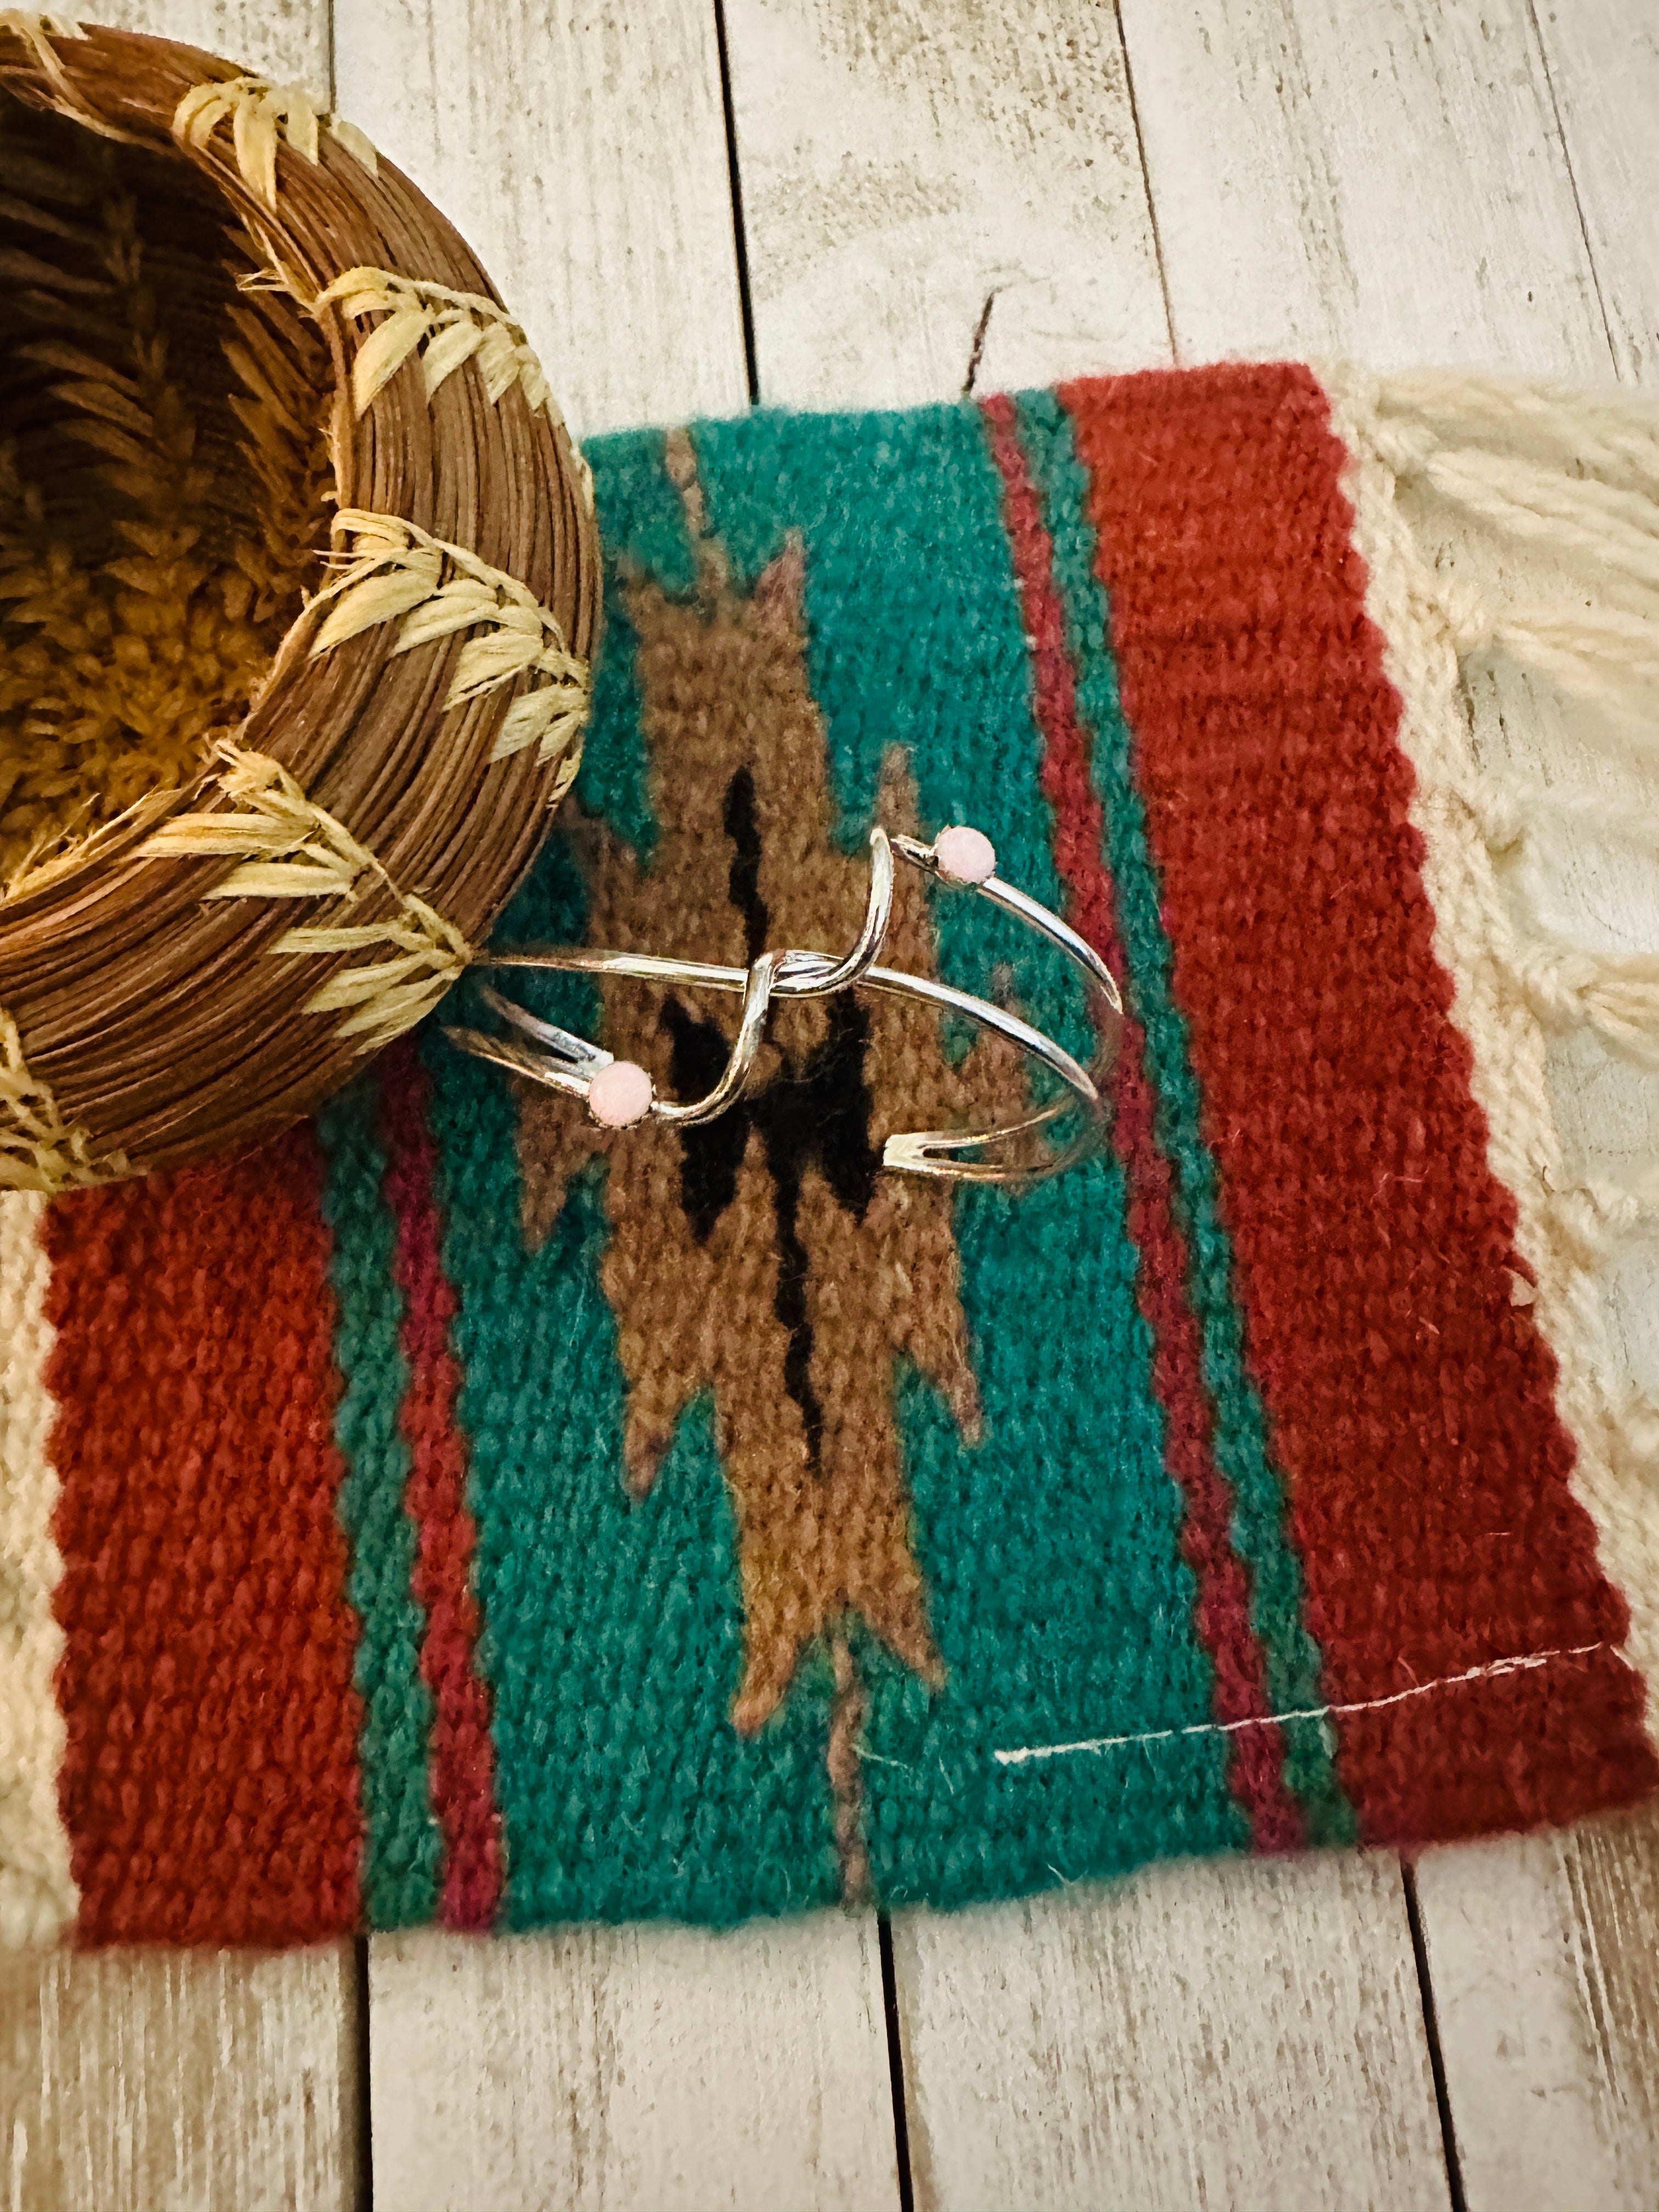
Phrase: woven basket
(299, 588)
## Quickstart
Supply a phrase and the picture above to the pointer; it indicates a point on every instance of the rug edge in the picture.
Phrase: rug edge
(1506, 1040)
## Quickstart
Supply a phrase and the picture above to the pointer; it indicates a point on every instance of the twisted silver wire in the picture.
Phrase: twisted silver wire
(568, 1063)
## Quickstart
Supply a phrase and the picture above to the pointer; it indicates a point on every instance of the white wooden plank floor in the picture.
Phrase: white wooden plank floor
(864, 202)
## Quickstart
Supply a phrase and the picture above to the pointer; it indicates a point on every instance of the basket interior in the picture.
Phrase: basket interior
(164, 478)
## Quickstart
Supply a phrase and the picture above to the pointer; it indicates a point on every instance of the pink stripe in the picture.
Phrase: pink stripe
(463, 1752)
(1223, 1611)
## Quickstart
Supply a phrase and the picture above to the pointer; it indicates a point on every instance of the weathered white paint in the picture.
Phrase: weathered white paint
(610, 2067)
(1541, 1950)
(1384, 181)
(284, 40)
(178, 2082)
(1226, 2033)
(582, 152)
(904, 169)
(1603, 62)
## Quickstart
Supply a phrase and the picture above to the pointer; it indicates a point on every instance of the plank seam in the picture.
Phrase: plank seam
(977, 349)
(1572, 179)
(1459, 2201)
(361, 2042)
(1145, 180)
(739, 237)
(895, 2063)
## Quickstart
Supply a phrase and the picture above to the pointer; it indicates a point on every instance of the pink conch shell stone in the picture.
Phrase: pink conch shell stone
(620, 1095)
(965, 856)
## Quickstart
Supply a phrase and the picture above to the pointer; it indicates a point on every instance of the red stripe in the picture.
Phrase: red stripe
(209, 1784)
(463, 1752)
(1223, 1610)
(1410, 1404)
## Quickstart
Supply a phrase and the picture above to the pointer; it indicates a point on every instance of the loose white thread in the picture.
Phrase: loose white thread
(1521, 1666)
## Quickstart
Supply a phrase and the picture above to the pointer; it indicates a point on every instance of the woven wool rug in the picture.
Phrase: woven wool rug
(454, 1512)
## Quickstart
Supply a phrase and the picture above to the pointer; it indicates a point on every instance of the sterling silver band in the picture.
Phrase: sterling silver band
(617, 1093)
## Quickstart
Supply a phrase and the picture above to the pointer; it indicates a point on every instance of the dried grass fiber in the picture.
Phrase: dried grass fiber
(299, 590)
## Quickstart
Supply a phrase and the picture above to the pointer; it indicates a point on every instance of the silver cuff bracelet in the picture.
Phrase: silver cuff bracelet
(618, 1093)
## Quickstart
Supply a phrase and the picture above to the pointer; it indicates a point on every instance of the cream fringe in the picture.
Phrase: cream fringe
(37, 1898)
(287, 847)
(260, 115)
(1529, 464)
(1576, 477)
(1571, 474)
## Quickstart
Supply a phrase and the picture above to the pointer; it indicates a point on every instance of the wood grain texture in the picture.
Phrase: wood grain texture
(285, 39)
(581, 151)
(132, 2082)
(1385, 181)
(1602, 57)
(905, 169)
(1226, 2033)
(608, 2068)
(1542, 1954)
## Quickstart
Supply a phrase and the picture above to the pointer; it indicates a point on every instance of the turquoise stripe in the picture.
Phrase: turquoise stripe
(1242, 1452)
(642, 528)
(612, 1628)
(611, 1631)
(1051, 1546)
(404, 1848)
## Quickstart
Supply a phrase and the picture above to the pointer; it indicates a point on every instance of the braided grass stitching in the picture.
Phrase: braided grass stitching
(261, 115)
(396, 568)
(288, 847)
